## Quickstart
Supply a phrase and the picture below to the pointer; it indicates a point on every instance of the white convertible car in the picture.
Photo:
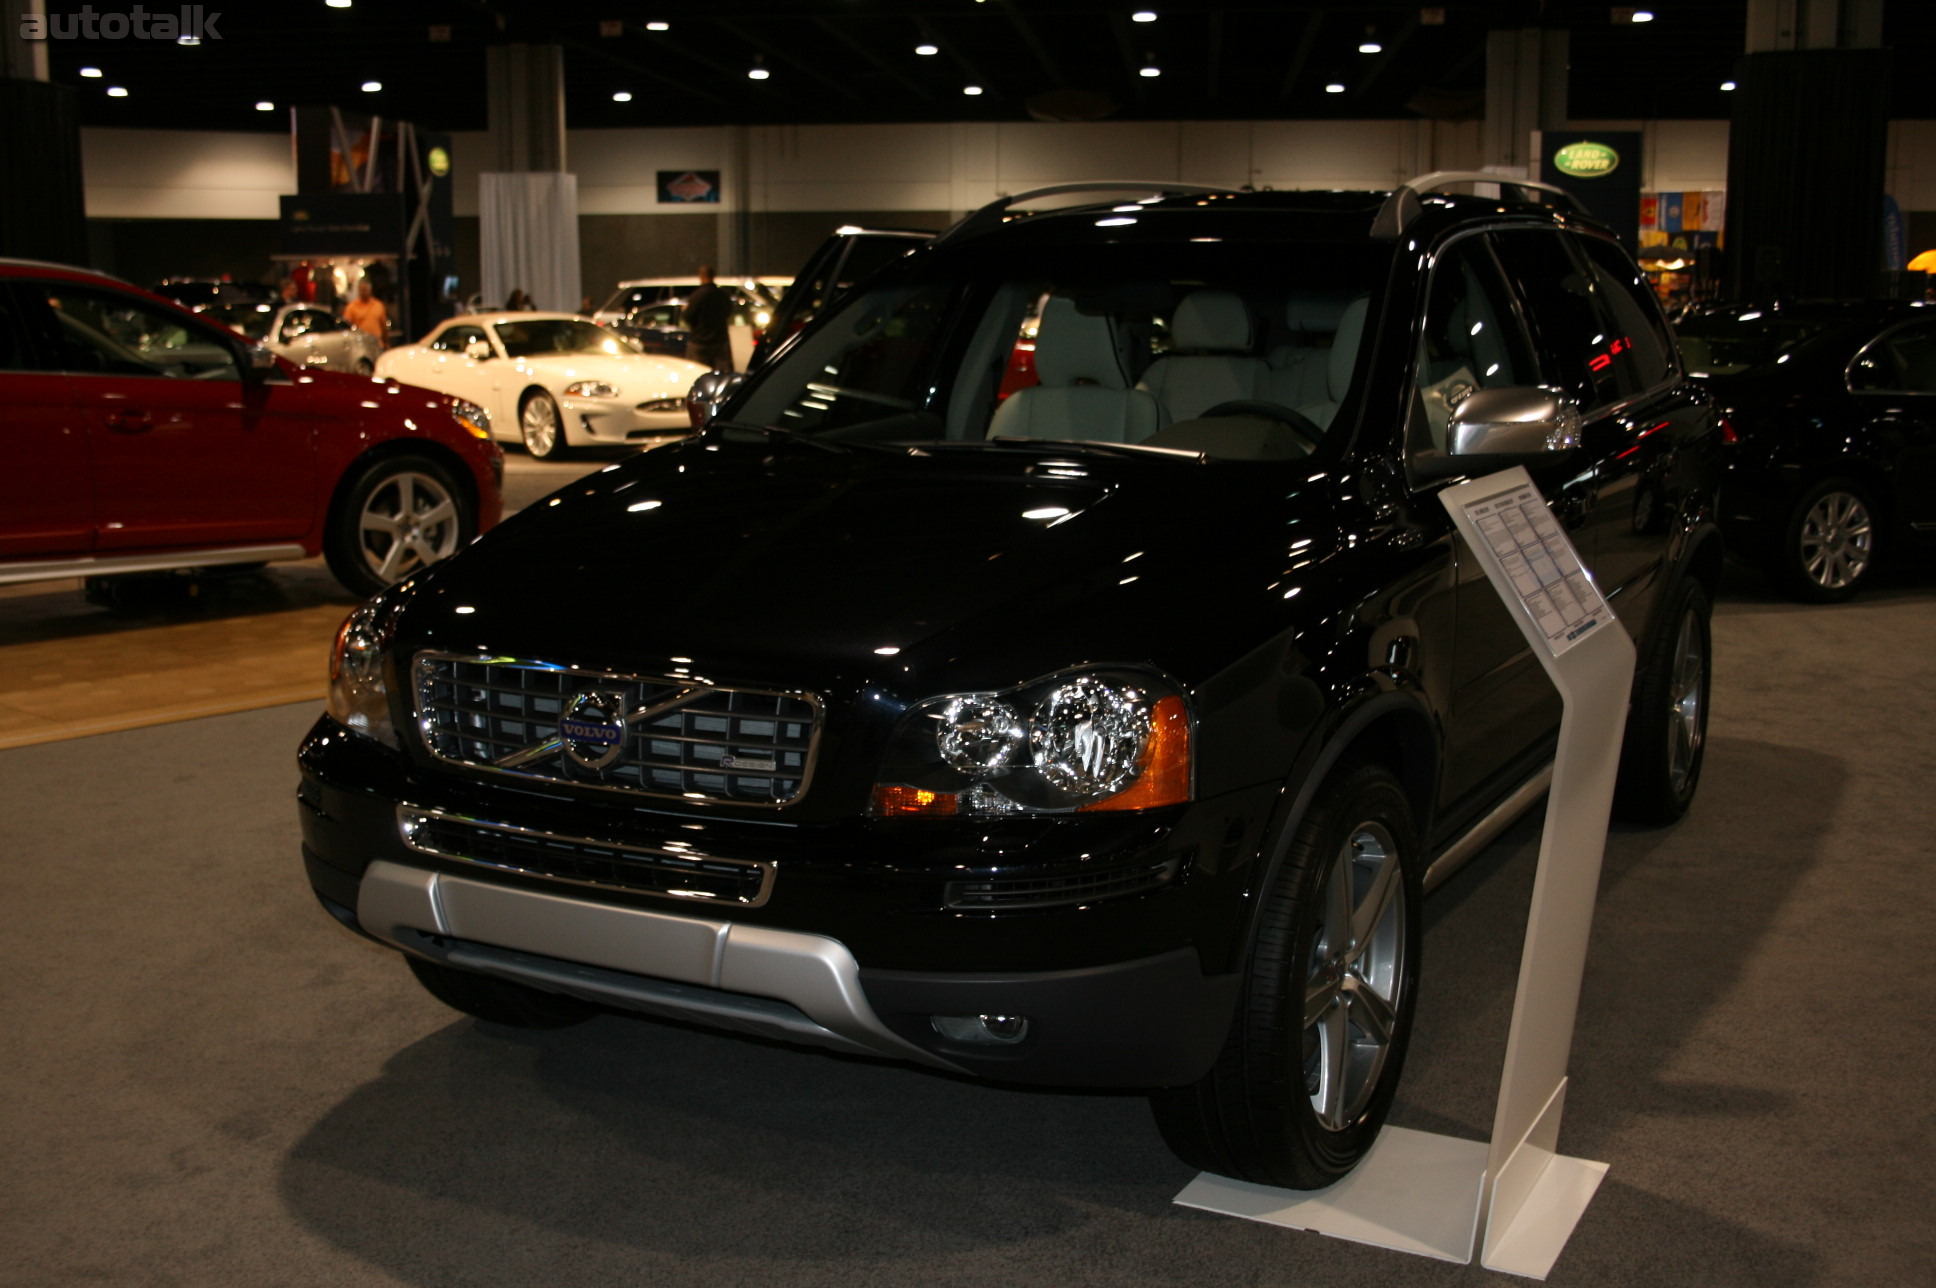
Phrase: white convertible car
(303, 333)
(552, 381)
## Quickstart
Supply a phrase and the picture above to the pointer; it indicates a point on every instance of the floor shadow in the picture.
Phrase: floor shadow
(64, 610)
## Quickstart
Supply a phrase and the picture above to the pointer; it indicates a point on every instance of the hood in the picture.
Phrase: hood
(783, 563)
(641, 377)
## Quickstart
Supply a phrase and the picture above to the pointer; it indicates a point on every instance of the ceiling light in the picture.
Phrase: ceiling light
(1150, 70)
(971, 90)
(372, 87)
(190, 41)
(757, 73)
(927, 51)
(265, 106)
(115, 91)
(337, 4)
(1143, 15)
(1334, 88)
(1642, 15)
(623, 96)
(658, 26)
(91, 72)
(1727, 87)
(1371, 47)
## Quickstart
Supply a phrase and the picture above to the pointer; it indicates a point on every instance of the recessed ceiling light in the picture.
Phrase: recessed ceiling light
(372, 87)
(190, 41)
(115, 91)
(1642, 15)
(623, 96)
(337, 4)
(1727, 87)
(757, 73)
(1334, 88)
(92, 73)
(971, 90)
(1371, 47)
(927, 51)
(658, 26)
(265, 106)
(1149, 71)
(1143, 15)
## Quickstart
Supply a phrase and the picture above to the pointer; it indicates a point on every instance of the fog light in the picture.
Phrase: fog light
(998, 1030)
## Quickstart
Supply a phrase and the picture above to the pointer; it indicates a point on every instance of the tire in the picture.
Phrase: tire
(1314, 1053)
(399, 515)
(364, 367)
(1666, 740)
(541, 427)
(501, 1001)
(1828, 547)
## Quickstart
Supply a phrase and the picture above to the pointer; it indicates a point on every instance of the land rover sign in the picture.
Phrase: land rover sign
(1586, 160)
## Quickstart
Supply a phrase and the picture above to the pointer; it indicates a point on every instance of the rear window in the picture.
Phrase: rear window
(1721, 344)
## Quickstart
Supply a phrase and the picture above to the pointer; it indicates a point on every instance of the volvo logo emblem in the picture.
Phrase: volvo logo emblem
(592, 729)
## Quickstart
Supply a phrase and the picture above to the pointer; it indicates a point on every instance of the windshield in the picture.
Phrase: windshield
(1721, 344)
(251, 320)
(543, 337)
(1123, 344)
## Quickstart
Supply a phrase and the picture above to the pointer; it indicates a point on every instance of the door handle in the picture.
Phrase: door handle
(130, 421)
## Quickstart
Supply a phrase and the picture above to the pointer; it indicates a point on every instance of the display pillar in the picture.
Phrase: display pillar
(43, 203)
(1436, 1195)
(528, 233)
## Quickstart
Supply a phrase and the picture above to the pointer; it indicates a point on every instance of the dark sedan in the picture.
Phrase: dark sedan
(1833, 409)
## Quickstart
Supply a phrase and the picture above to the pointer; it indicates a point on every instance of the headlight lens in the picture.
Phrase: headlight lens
(1091, 740)
(591, 389)
(358, 698)
(471, 416)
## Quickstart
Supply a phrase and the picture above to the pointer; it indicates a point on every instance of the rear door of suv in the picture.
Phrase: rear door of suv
(46, 493)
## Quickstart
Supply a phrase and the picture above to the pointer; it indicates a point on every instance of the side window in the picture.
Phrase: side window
(1560, 304)
(457, 338)
(1903, 361)
(1641, 348)
(15, 349)
(1472, 338)
(100, 333)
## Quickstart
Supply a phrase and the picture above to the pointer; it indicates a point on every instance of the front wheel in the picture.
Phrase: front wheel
(1312, 1060)
(1660, 761)
(400, 515)
(542, 427)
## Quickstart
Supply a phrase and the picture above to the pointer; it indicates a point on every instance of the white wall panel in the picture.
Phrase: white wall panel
(185, 174)
(1331, 154)
(1686, 156)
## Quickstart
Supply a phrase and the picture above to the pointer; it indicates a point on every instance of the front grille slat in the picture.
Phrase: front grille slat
(584, 861)
(476, 711)
(1016, 893)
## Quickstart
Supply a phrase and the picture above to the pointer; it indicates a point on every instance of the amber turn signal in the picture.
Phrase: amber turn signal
(1163, 770)
(891, 800)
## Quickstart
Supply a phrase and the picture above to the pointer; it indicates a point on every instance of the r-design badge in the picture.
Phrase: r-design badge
(592, 729)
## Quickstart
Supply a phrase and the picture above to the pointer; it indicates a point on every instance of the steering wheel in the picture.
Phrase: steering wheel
(1295, 420)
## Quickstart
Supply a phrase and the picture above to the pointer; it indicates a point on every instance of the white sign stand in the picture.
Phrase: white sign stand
(1435, 1195)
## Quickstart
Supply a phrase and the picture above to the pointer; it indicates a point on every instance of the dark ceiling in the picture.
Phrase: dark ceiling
(856, 60)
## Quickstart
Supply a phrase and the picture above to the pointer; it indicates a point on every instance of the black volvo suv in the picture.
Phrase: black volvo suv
(1096, 720)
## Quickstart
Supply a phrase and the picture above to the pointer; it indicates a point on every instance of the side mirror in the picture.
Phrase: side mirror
(1515, 421)
(478, 350)
(708, 392)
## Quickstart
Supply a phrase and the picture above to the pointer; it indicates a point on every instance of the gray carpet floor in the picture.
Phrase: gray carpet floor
(206, 1083)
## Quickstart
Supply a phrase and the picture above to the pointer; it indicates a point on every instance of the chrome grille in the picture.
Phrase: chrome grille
(675, 872)
(748, 746)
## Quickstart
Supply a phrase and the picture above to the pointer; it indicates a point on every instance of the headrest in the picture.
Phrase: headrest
(1072, 347)
(1211, 320)
(1344, 349)
(1306, 313)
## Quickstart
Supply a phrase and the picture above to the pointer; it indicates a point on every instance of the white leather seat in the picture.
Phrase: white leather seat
(1084, 392)
(1339, 366)
(1300, 368)
(1212, 362)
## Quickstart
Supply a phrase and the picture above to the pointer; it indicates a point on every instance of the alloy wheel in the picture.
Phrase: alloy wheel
(408, 521)
(539, 421)
(1687, 693)
(1351, 994)
(1837, 540)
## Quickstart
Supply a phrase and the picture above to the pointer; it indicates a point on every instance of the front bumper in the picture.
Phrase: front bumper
(619, 420)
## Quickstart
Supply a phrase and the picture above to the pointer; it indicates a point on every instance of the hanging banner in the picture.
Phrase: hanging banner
(1602, 169)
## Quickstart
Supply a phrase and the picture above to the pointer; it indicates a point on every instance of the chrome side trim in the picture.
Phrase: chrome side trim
(637, 959)
(1502, 816)
(411, 820)
(113, 565)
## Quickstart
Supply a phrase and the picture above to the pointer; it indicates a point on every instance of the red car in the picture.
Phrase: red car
(136, 436)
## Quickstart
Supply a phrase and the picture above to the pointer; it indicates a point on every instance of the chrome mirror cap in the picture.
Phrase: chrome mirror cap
(708, 392)
(1517, 421)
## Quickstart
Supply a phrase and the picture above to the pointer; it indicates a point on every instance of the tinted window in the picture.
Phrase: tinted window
(543, 336)
(1720, 343)
(1640, 349)
(1902, 361)
(251, 320)
(1472, 338)
(14, 350)
(107, 334)
(1560, 304)
(457, 338)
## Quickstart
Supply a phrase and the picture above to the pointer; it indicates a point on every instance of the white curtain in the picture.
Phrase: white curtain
(529, 235)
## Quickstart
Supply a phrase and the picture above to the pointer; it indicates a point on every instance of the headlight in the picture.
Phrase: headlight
(471, 417)
(591, 389)
(1090, 740)
(358, 698)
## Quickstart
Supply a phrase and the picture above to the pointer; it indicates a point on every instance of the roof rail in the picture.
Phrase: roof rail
(1403, 206)
(991, 214)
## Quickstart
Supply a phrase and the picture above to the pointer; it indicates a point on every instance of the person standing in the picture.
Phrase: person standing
(707, 312)
(367, 314)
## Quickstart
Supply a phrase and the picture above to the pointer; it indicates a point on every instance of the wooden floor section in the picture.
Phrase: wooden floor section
(182, 648)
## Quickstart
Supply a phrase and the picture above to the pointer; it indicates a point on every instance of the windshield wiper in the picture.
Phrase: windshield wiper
(1107, 449)
(781, 431)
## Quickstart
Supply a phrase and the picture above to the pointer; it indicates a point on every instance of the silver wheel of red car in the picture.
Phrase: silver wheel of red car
(543, 429)
(1312, 1060)
(401, 516)
(1830, 543)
